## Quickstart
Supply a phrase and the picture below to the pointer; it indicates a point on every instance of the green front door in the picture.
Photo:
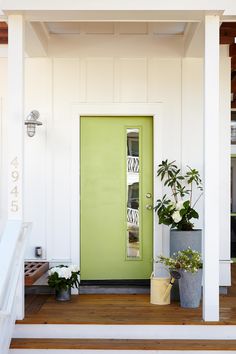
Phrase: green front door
(116, 197)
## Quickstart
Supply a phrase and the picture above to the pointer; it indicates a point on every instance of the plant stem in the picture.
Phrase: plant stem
(197, 200)
(191, 193)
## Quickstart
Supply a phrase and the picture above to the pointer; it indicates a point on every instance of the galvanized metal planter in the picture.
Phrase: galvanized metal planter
(63, 295)
(190, 288)
(181, 240)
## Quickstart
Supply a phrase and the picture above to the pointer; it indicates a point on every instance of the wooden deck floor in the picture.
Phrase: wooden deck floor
(122, 309)
(118, 309)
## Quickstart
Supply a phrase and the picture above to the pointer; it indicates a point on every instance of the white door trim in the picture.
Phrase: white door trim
(112, 109)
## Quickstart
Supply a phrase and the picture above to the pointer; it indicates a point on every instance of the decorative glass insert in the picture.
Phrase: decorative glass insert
(133, 186)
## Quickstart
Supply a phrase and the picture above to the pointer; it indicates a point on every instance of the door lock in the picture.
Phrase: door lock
(148, 195)
(149, 207)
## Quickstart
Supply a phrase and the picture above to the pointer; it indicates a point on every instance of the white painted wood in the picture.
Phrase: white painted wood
(158, 248)
(3, 175)
(36, 40)
(38, 95)
(192, 122)
(211, 171)
(65, 91)
(119, 46)
(133, 73)
(15, 116)
(125, 331)
(99, 79)
(12, 249)
(224, 157)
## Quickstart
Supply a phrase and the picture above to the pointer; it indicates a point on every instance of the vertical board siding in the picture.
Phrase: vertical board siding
(38, 96)
(3, 178)
(52, 86)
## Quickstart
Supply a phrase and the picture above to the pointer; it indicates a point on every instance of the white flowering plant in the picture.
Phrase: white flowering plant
(187, 260)
(178, 211)
(63, 277)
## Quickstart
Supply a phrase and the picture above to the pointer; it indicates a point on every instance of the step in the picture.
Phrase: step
(123, 344)
(126, 332)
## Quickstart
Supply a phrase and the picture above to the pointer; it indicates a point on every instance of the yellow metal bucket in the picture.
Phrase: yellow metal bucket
(158, 289)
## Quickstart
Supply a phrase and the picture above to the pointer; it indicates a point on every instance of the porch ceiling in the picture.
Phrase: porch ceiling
(162, 28)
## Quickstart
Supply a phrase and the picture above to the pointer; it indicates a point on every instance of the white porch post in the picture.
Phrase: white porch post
(15, 131)
(211, 172)
(15, 115)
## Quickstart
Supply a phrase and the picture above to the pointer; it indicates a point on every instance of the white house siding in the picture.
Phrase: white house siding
(105, 68)
(3, 182)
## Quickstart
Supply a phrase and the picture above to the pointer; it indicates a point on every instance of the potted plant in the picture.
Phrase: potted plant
(178, 210)
(189, 264)
(62, 278)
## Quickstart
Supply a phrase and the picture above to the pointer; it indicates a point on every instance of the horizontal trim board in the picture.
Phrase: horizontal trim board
(217, 332)
(117, 282)
(122, 344)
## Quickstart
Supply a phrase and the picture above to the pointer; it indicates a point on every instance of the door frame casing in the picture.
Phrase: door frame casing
(112, 110)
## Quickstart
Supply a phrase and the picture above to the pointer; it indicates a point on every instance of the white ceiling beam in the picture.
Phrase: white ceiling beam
(118, 5)
(36, 43)
(110, 15)
(193, 40)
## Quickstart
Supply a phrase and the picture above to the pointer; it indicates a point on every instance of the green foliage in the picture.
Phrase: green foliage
(63, 277)
(188, 260)
(177, 213)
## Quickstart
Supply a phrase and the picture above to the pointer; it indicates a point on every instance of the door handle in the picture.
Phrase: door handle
(148, 207)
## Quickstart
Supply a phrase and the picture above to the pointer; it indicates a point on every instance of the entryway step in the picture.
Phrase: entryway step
(122, 344)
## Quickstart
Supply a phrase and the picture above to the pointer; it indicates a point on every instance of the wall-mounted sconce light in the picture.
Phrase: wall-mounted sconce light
(31, 122)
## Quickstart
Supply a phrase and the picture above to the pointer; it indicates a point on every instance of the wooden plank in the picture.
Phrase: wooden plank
(119, 309)
(228, 31)
(122, 344)
(34, 270)
(233, 63)
(227, 40)
(232, 50)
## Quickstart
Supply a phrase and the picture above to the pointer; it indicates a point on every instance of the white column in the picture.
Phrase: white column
(211, 171)
(15, 118)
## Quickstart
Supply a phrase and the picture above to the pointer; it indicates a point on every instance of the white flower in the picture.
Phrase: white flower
(52, 270)
(176, 216)
(64, 272)
(74, 268)
(179, 205)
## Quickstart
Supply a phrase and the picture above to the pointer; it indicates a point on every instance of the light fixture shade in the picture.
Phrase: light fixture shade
(31, 122)
(31, 130)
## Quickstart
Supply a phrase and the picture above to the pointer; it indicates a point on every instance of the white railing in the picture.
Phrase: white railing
(12, 248)
(133, 164)
(133, 216)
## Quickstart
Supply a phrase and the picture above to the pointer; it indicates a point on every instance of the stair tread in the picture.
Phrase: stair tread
(121, 344)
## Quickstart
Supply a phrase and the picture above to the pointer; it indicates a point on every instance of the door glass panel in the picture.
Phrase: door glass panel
(133, 181)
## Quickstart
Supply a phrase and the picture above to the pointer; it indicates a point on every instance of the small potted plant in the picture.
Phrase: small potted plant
(62, 278)
(189, 264)
(178, 210)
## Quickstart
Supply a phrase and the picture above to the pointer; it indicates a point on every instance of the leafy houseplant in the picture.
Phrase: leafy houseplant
(62, 278)
(189, 264)
(188, 260)
(178, 211)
